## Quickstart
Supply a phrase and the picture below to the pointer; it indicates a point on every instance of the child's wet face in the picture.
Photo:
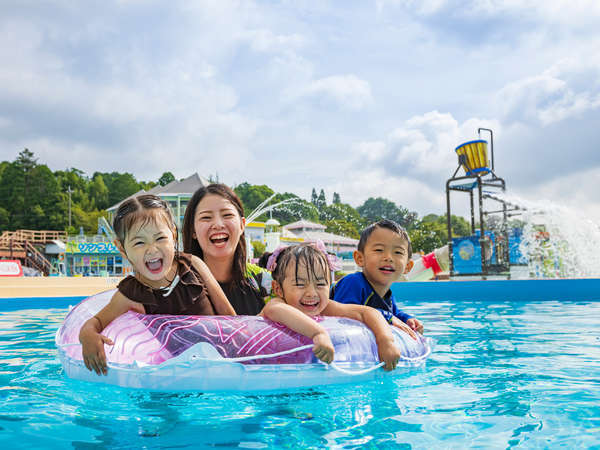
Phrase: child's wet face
(150, 248)
(308, 292)
(384, 258)
(217, 226)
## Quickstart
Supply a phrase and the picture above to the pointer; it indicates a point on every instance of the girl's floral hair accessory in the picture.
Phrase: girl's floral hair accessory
(272, 261)
(334, 263)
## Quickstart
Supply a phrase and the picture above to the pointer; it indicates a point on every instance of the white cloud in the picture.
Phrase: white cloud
(424, 7)
(569, 88)
(411, 165)
(423, 146)
(548, 11)
(414, 194)
(347, 91)
(371, 151)
(575, 190)
(297, 95)
(266, 41)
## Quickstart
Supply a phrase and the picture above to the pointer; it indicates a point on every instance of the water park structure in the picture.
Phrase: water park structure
(487, 252)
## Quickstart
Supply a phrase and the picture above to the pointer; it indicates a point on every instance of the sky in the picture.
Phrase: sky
(363, 98)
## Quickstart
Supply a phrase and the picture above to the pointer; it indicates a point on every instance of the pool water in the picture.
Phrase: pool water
(502, 375)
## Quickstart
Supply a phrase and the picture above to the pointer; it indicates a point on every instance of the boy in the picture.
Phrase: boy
(383, 253)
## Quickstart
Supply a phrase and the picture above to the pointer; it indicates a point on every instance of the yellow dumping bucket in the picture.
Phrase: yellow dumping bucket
(472, 156)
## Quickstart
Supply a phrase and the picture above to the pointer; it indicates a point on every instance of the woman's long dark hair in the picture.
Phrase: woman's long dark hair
(190, 245)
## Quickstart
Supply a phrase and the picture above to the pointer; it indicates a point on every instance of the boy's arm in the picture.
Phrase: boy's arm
(412, 322)
(216, 294)
(399, 313)
(92, 342)
(279, 311)
(388, 352)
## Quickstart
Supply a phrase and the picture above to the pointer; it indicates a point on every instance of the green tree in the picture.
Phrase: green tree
(4, 220)
(459, 225)
(166, 178)
(343, 228)
(44, 200)
(86, 219)
(259, 248)
(147, 185)
(98, 192)
(336, 198)
(343, 212)
(74, 178)
(29, 194)
(313, 197)
(26, 161)
(427, 236)
(14, 188)
(253, 195)
(294, 210)
(3, 165)
(119, 185)
(375, 209)
(321, 202)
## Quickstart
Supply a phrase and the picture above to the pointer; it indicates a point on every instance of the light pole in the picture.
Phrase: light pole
(69, 191)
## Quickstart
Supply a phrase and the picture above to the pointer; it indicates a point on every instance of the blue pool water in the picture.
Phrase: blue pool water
(503, 374)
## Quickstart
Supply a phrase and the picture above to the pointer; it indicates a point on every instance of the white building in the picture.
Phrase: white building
(303, 230)
(177, 194)
(310, 231)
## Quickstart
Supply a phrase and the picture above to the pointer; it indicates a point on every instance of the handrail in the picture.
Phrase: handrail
(37, 236)
(19, 244)
(37, 259)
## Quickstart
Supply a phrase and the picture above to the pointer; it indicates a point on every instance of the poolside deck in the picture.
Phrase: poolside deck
(42, 287)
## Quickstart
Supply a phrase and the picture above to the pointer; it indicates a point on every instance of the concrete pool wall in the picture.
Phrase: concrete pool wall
(573, 289)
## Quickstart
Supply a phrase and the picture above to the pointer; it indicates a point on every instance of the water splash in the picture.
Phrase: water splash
(265, 207)
(557, 240)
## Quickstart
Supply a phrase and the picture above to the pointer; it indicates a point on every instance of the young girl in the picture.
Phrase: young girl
(165, 281)
(301, 280)
(213, 229)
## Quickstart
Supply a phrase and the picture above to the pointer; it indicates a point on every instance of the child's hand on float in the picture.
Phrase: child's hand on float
(389, 354)
(323, 348)
(404, 327)
(92, 350)
(415, 324)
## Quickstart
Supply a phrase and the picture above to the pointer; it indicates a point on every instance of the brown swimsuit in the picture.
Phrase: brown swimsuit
(188, 296)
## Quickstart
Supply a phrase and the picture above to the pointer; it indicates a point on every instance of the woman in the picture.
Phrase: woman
(213, 230)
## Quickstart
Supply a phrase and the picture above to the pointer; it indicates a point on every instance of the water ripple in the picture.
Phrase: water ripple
(502, 375)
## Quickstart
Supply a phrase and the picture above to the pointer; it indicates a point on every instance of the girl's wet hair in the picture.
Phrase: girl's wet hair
(315, 261)
(139, 211)
(190, 244)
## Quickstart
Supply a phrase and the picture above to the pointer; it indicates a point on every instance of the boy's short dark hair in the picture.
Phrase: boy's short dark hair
(384, 223)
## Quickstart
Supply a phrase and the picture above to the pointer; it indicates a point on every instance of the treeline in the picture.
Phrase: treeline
(34, 197)
(427, 233)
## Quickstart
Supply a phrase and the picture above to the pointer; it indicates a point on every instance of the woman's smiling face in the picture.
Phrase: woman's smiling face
(217, 227)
